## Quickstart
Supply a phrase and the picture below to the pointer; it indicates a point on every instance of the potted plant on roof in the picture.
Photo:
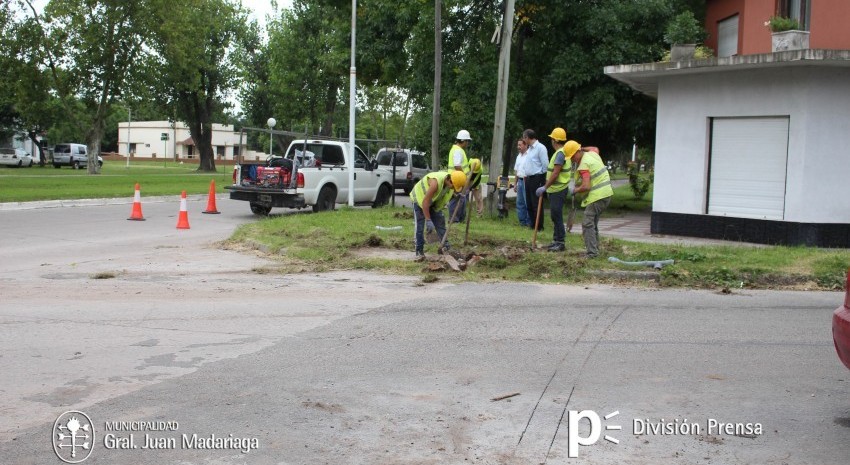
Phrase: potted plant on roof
(786, 34)
(682, 34)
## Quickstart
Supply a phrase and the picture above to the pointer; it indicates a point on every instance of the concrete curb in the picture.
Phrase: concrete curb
(15, 206)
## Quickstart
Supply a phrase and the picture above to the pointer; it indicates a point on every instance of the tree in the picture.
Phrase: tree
(89, 47)
(197, 44)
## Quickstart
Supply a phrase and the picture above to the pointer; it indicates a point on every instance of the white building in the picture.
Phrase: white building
(158, 139)
(752, 147)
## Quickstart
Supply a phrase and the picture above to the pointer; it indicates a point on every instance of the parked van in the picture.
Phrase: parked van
(410, 166)
(73, 155)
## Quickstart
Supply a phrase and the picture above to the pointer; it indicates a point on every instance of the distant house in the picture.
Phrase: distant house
(754, 145)
(145, 139)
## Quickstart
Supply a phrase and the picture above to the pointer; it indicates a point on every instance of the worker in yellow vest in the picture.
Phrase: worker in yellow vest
(556, 187)
(429, 196)
(459, 162)
(596, 181)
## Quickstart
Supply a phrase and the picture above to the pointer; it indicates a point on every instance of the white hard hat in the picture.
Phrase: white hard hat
(463, 134)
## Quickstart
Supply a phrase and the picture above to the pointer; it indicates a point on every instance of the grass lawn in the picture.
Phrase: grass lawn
(337, 240)
(115, 180)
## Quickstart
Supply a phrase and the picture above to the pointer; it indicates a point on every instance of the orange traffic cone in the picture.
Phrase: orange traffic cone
(183, 219)
(211, 200)
(136, 214)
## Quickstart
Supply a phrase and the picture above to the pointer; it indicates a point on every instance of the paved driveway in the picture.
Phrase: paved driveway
(355, 367)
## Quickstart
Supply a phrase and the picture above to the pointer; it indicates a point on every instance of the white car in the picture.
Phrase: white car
(15, 157)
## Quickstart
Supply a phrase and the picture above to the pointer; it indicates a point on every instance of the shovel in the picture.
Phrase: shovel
(536, 222)
(571, 216)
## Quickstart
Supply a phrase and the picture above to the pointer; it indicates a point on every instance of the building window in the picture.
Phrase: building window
(795, 9)
(727, 37)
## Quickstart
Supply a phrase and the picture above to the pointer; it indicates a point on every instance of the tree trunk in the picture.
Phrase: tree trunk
(42, 159)
(200, 127)
(330, 108)
(93, 141)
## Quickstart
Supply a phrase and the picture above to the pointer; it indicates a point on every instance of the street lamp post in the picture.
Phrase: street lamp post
(271, 122)
(129, 121)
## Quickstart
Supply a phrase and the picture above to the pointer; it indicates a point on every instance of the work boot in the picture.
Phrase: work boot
(556, 247)
(420, 256)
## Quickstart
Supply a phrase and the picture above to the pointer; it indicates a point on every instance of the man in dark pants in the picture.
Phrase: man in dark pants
(535, 171)
(557, 187)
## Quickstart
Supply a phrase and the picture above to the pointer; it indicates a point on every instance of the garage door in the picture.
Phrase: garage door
(748, 167)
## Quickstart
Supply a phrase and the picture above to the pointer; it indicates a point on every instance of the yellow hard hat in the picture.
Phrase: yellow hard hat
(558, 134)
(570, 148)
(458, 180)
(475, 165)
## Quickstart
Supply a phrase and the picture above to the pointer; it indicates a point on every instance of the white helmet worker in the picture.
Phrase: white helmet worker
(463, 134)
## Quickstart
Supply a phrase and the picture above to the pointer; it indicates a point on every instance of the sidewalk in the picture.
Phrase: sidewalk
(635, 227)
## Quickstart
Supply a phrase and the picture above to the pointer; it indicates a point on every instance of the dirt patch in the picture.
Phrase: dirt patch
(381, 252)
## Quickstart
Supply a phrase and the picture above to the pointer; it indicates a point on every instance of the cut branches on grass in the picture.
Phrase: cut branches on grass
(333, 241)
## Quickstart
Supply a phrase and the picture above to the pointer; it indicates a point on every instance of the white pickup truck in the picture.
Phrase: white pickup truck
(312, 173)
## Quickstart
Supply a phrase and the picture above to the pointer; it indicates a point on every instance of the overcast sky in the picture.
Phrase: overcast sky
(262, 8)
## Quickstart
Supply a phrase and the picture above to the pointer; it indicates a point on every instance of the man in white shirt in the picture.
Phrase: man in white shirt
(535, 174)
(519, 186)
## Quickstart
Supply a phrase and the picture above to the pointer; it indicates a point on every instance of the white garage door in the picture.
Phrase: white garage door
(748, 166)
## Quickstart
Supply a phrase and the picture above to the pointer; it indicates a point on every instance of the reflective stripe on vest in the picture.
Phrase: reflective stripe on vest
(563, 179)
(440, 199)
(600, 180)
(464, 164)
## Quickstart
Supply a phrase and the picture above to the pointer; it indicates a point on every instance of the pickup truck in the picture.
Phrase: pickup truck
(312, 173)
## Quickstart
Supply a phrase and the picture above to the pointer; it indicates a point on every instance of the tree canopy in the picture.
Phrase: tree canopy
(192, 60)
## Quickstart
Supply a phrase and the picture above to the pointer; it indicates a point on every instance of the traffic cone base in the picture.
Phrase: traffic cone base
(136, 214)
(183, 218)
(211, 210)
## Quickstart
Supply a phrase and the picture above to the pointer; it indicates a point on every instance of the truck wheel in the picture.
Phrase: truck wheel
(383, 197)
(326, 200)
(260, 209)
(76, 165)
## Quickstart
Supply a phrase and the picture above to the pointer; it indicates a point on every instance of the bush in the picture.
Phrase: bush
(640, 183)
(781, 24)
(684, 29)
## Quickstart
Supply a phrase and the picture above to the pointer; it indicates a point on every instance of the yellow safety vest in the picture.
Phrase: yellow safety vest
(441, 198)
(600, 180)
(464, 165)
(563, 179)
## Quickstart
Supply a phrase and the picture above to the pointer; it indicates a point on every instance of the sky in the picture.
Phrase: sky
(262, 8)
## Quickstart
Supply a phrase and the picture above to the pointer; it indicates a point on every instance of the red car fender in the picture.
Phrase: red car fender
(841, 327)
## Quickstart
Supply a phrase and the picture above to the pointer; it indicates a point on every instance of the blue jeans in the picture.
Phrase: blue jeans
(419, 226)
(521, 208)
(461, 213)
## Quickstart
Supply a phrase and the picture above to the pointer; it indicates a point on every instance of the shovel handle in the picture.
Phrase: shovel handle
(537, 222)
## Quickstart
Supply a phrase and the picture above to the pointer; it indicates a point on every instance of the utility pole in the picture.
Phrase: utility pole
(501, 96)
(438, 74)
(352, 98)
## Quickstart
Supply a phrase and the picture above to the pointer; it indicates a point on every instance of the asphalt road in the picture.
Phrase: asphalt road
(217, 361)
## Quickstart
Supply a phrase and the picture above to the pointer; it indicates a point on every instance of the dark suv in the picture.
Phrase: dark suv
(410, 166)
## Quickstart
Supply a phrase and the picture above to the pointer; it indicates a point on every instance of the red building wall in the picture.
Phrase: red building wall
(827, 25)
(829, 29)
